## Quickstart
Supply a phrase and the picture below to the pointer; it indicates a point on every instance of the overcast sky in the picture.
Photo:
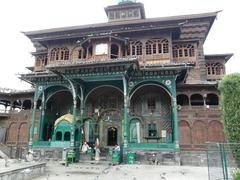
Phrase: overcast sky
(25, 15)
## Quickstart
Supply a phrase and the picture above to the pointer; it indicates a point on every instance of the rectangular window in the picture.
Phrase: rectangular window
(117, 15)
(175, 53)
(165, 48)
(130, 13)
(101, 49)
(191, 52)
(186, 52)
(139, 50)
(148, 49)
(152, 130)
(123, 14)
(136, 13)
(133, 50)
(160, 48)
(154, 49)
(151, 103)
(180, 53)
(111, 15)
(38, 62)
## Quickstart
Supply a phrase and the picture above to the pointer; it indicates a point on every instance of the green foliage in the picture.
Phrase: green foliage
(236, 174)
(230, 103)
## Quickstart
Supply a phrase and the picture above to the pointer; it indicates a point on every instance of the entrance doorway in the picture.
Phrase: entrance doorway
(112, 136)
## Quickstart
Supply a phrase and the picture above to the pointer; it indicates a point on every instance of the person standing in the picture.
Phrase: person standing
(85, 147)
(117, 148)
(97, 153)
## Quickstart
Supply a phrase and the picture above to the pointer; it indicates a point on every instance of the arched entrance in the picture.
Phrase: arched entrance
(112, 136)
(152, 102)
(103, 105)
(58, 104)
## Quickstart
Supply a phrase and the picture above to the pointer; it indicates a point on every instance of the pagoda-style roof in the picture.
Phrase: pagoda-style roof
(218, 57)
(199, 24)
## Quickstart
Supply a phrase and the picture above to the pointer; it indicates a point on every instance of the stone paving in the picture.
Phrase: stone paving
(92, 171)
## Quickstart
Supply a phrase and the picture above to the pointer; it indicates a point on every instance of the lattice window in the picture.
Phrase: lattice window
(183, 50)
(53, 54)
(135, 48)
(215, 69)
(208, 67)
(59, 54)
(148, 48)
(41, 60)
(78, 53)
(38, 62)
(152, 130)
(165, 46)
(151, 103)
(157, 46)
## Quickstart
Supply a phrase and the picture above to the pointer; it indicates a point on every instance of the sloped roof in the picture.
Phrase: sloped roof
(219, 57)
(119, 23)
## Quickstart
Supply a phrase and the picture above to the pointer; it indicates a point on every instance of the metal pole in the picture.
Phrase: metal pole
(221, 155)
(225, 161)
(208, 162)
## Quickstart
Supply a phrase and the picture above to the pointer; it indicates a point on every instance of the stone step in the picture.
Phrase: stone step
(5, 150)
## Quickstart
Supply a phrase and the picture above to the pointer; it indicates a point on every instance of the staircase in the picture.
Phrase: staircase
(4, 151)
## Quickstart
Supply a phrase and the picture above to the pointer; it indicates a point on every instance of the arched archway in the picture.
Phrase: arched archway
(5, 106)
(17, 105)
(182, 100)
(212, 99)
(114, 51)
(184, 133)
(112, 136)
(215, 131)
(12, 135)
(27, 104)
(57, 104)
(89, 130)
(67, 136)
(153, 103)
(23, 133)
(103, 104)
(135, 129)
(197, 100)
(199, 133)
(59, 136)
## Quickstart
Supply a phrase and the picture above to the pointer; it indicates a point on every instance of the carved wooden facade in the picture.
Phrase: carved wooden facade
(146, 79)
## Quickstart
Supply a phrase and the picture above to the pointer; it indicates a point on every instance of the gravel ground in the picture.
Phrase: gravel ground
(55, 171)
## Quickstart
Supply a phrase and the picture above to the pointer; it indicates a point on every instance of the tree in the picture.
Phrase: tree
(230, 104)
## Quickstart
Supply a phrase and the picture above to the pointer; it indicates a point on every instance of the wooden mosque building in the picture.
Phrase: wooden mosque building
(143, 83)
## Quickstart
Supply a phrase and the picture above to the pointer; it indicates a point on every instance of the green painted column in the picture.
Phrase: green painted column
(42, 116)
(73, 123)
(33, 123)
(126, 113)
(175, 117)
(82, 106)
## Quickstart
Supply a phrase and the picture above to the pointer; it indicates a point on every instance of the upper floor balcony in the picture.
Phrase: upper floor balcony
(215, 71)
(149, 52)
